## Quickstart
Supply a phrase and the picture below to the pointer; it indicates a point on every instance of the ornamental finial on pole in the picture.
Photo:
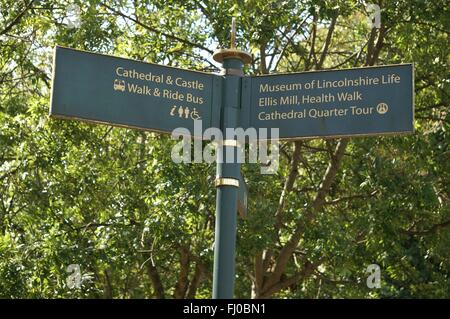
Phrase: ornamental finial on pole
(233, 33)
(232, 52)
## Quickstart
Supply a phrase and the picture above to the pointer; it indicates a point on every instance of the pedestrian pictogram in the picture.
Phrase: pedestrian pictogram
(382, 108)
(185, 112)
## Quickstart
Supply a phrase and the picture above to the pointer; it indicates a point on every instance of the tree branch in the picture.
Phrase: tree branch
(307, 270)
(262, 64)
(435, 228)
(17, 19)
(374, 50)
(149, 28)
(259, 274)
(327, 43)
(289, 183)
(370, 46)
(196, 279)
(289, 41)
(153, 273)
(347, 198)
(312, 54)
(288, 249)
(429, 107)
(182, 283)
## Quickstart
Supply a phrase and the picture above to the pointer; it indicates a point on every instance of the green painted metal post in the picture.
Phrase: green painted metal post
(228, 173)
(226, 205)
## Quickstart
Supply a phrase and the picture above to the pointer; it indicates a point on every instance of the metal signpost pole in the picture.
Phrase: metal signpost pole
(228, 172)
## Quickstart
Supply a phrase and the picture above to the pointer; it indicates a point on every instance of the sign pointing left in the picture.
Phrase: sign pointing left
(100, 88)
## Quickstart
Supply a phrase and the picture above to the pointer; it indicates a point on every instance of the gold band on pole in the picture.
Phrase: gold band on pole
(231, 71)
(223, 181)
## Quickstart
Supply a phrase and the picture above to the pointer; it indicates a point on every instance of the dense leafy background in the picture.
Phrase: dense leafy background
(112, 201)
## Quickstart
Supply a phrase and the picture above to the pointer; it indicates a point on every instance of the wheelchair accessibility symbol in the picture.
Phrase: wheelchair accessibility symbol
(185, 112)
(382, 108)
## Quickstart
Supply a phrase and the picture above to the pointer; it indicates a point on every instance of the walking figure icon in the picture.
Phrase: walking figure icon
(382, 108)
(180, 111)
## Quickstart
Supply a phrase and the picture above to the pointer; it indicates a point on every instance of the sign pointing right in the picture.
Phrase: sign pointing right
(361, 101)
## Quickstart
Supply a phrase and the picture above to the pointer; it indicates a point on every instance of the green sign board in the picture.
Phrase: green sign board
(360, 101)
(123, 92)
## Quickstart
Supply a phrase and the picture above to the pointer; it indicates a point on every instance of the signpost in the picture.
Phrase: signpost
(122, 92)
